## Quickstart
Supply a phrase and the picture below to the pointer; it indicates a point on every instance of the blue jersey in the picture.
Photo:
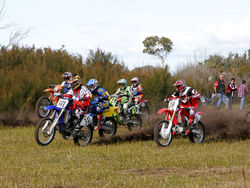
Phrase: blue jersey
(101, 93)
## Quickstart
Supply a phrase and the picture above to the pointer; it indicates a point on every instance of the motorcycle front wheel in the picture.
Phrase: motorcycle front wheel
(42, 134)
(40, 107)
(108, 129)
(159, 138)
(197, 134)
(84, 136)
(135, 122)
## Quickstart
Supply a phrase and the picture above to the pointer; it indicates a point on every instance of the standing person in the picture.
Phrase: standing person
(242, 91)
(231, 88)
(219, 89)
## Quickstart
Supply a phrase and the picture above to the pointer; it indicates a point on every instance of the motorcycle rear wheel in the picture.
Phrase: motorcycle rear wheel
(197, 137)
(158, 137)
(109, 128)
(84, 136)
(40, 105)
(44, 138)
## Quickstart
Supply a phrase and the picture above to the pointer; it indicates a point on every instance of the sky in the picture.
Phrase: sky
(198, 28)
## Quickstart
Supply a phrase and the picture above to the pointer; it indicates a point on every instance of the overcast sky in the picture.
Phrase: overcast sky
(196, 27)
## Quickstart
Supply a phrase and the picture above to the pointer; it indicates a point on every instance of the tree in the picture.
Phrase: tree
(15, 36)
(159, 47)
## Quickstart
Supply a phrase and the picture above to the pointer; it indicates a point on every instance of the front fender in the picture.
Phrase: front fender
(165, 110)
(52, 107)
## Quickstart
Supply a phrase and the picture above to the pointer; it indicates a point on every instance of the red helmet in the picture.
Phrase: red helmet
(180, 85)
(67, 76)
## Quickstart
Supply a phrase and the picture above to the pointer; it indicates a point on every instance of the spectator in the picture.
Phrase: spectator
(219, 89)
(231, 88)
(242, 91)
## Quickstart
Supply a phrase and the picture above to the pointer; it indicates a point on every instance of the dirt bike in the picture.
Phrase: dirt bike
(134, 122)
(46, 101)
(175, 124)
(80, 129)
(63, 120)
(143, 109)
(107, 125)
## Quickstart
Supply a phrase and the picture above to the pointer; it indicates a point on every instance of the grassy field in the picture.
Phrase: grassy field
(23, 163)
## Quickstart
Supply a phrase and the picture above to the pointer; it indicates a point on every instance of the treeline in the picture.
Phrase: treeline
(26, 71)
(202, 75)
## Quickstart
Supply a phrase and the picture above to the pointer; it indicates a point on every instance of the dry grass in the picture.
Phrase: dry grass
(122, 164)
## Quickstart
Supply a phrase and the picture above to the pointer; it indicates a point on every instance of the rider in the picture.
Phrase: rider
(136, 89)
(101, 97)
(80, 94)
(67, 76)
(188, 100)
(124, 91)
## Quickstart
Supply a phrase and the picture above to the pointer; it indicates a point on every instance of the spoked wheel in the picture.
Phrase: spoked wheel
(162, 138)
(144, 111)
(135, 122)
(197, 134)
(108, 129)
(40, 107)
(84, 136)
(43, 135)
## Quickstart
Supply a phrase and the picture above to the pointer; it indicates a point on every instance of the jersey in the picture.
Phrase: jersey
(126, 91)
(136, 90)
(189, 97)
(101, 93)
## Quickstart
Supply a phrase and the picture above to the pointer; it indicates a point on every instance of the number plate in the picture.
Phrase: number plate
(62, 103)
(171, 105)
(86, 120)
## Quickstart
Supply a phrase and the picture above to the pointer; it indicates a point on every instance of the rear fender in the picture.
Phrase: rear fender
(143, 100)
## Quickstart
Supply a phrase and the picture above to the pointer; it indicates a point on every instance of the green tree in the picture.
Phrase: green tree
(159, 47)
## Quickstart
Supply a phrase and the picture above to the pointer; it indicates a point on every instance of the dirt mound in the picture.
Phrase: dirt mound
(226, 124)
(18, 119)
(219, 125)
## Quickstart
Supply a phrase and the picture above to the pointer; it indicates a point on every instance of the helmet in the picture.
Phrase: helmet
(92, 84)
(76, 82)
(122, 82)
(135, 81)
(180, 85)
(67, 76)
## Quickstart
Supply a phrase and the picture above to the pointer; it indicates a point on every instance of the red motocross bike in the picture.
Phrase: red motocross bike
(176, 122)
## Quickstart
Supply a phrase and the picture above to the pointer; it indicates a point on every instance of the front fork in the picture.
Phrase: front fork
(165, 131)
(55, 121)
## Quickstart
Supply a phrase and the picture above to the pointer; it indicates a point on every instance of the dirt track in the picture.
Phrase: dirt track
(219, 124)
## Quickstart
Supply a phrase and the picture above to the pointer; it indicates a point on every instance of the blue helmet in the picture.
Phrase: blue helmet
(92, 84)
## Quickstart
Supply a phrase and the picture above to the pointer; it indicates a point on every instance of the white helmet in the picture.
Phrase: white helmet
(122, 82)
(135, 81)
